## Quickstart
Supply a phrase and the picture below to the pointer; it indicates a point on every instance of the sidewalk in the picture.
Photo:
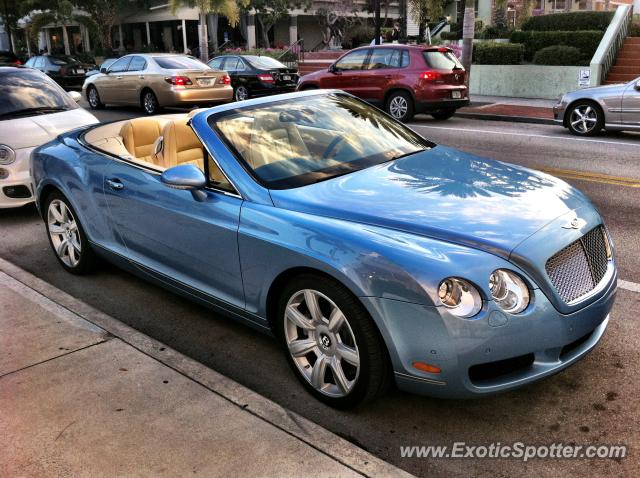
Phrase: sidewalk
(502, 108)
(82, 394)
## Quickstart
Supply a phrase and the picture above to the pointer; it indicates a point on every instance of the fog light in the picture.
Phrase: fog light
(425, 367)
(17, 192)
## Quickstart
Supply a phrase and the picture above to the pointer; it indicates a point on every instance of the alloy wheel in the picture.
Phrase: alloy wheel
(398, 107)
(584, 119)
(64, 233)
(321, 343)
(93, 98)
(241, 93)
(150, 103)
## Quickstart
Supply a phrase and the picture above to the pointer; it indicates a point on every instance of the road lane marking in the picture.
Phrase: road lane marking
(632, 286)
(534, 135)
(593, 177)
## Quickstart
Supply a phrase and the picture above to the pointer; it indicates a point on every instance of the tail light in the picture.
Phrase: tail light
(266, 78)
(430, 75)
(17, 63)
(63, 70)
(178, 80)
(225, 80)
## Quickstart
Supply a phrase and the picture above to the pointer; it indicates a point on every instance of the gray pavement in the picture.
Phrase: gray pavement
(77, 400)
(508, 100)
(595, 401)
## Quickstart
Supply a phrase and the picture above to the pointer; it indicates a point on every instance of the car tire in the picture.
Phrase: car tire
(584, 118)
(442, 115)
(241, 93)
(307, 88)
(67, 237)
(93, 98)
(343, 364)
(149, 102)
(400, 106)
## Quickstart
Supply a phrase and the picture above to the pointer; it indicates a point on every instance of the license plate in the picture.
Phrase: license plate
(286, 77)
(79, 70)
(456, 95)
(205, 81)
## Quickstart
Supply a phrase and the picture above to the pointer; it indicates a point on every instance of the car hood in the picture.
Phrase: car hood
(32, 131)
(445, 194)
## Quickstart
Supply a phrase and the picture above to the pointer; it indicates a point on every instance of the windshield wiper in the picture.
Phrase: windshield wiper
(28, 111)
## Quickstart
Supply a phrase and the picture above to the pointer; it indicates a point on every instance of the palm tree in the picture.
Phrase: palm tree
(230, 9)
(56, 13)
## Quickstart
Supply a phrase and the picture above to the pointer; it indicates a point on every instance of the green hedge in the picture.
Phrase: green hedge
(571, 21)
(492, 53)
(558, 55)
(451, 36)
(586, 41)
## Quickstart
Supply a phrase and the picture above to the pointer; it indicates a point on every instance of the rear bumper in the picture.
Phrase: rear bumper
(70, 82)
(427, 106)
(176, 96)
(266, 90)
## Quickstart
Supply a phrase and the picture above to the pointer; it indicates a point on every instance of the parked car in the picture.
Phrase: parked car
(253, 75)
(8, 58)
(587, 111)
(365, 248)
(33, 111)
(105, 64)
(67, 71)
(401, 79)
(155, 80)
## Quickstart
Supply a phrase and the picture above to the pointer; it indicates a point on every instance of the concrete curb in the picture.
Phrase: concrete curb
(291, 423)
(512, 119)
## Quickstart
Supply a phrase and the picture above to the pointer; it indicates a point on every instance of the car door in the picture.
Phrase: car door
(109, 85)
(174, 237)
(347, 73)
(630, 108)
(130, 85)
(384, 68)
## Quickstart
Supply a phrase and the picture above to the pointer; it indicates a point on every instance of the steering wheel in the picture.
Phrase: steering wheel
(332, 146)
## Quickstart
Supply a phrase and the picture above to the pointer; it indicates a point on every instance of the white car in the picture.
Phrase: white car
(33, 111)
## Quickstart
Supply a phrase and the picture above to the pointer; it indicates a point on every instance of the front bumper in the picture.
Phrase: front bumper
(18, 180)
(493, 353)
(558, 114)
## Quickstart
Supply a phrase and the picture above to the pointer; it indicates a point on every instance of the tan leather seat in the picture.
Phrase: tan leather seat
(273, 141)
(139, 136)
(181, 145)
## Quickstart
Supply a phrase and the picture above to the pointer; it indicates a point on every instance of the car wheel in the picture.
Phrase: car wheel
(241, 93)
(584, 118)
(400, 106)
(94, 98)
(331, 342)
(67, 237)
(150, 103)
(441, 115)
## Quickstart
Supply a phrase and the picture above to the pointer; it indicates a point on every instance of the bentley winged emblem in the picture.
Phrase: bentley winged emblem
(575, 223)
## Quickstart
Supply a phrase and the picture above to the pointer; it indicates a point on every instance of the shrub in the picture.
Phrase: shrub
(586, 41)
(558, 55)
(358, 35)
(571, 21)
(491, 32)
(451, 35)
(635, 30)
(491, 53)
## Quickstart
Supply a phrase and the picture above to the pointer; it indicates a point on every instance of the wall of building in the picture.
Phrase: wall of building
(524, 81)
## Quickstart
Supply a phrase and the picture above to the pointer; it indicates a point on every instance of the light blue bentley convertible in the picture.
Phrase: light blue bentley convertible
(373, 255)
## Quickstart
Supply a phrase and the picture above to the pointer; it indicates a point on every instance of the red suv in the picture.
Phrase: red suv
(402, 79)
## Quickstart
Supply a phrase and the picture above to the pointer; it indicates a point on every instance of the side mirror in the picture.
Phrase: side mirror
(334, 69)
(75, 96)
(104, 71)
(637, 85)
(187, 177)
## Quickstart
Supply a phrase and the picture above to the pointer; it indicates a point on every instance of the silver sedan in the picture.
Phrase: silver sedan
(612, 107)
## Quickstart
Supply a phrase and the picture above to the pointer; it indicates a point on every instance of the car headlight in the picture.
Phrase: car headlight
(7, 155)
(460, 297)
(509, 291)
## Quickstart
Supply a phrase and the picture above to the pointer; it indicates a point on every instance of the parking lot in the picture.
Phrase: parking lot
(593, 402)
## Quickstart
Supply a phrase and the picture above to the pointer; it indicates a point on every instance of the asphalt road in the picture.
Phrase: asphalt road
(594, 402)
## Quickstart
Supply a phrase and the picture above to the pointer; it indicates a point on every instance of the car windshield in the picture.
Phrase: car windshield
(264, 62)
(296, 142)
(180, 63)
(108, 62)
(27, 92)
(442, 60)
(62, 60)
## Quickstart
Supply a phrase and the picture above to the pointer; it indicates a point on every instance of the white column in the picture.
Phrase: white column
(148, 34)
(120, 38)
(47, 37)
(26, 37)
(293, 29)
(184, 36)
(251, 32)
(86, 42)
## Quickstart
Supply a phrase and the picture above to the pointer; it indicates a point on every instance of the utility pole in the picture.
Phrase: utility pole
(377, 20)
(468, 32)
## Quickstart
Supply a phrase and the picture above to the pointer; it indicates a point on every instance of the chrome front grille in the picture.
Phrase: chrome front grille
(578, 268)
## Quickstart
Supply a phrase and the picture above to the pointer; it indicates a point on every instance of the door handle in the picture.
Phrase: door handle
(118, 77)
(388, 77)
(115, 184)
(141, 77)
